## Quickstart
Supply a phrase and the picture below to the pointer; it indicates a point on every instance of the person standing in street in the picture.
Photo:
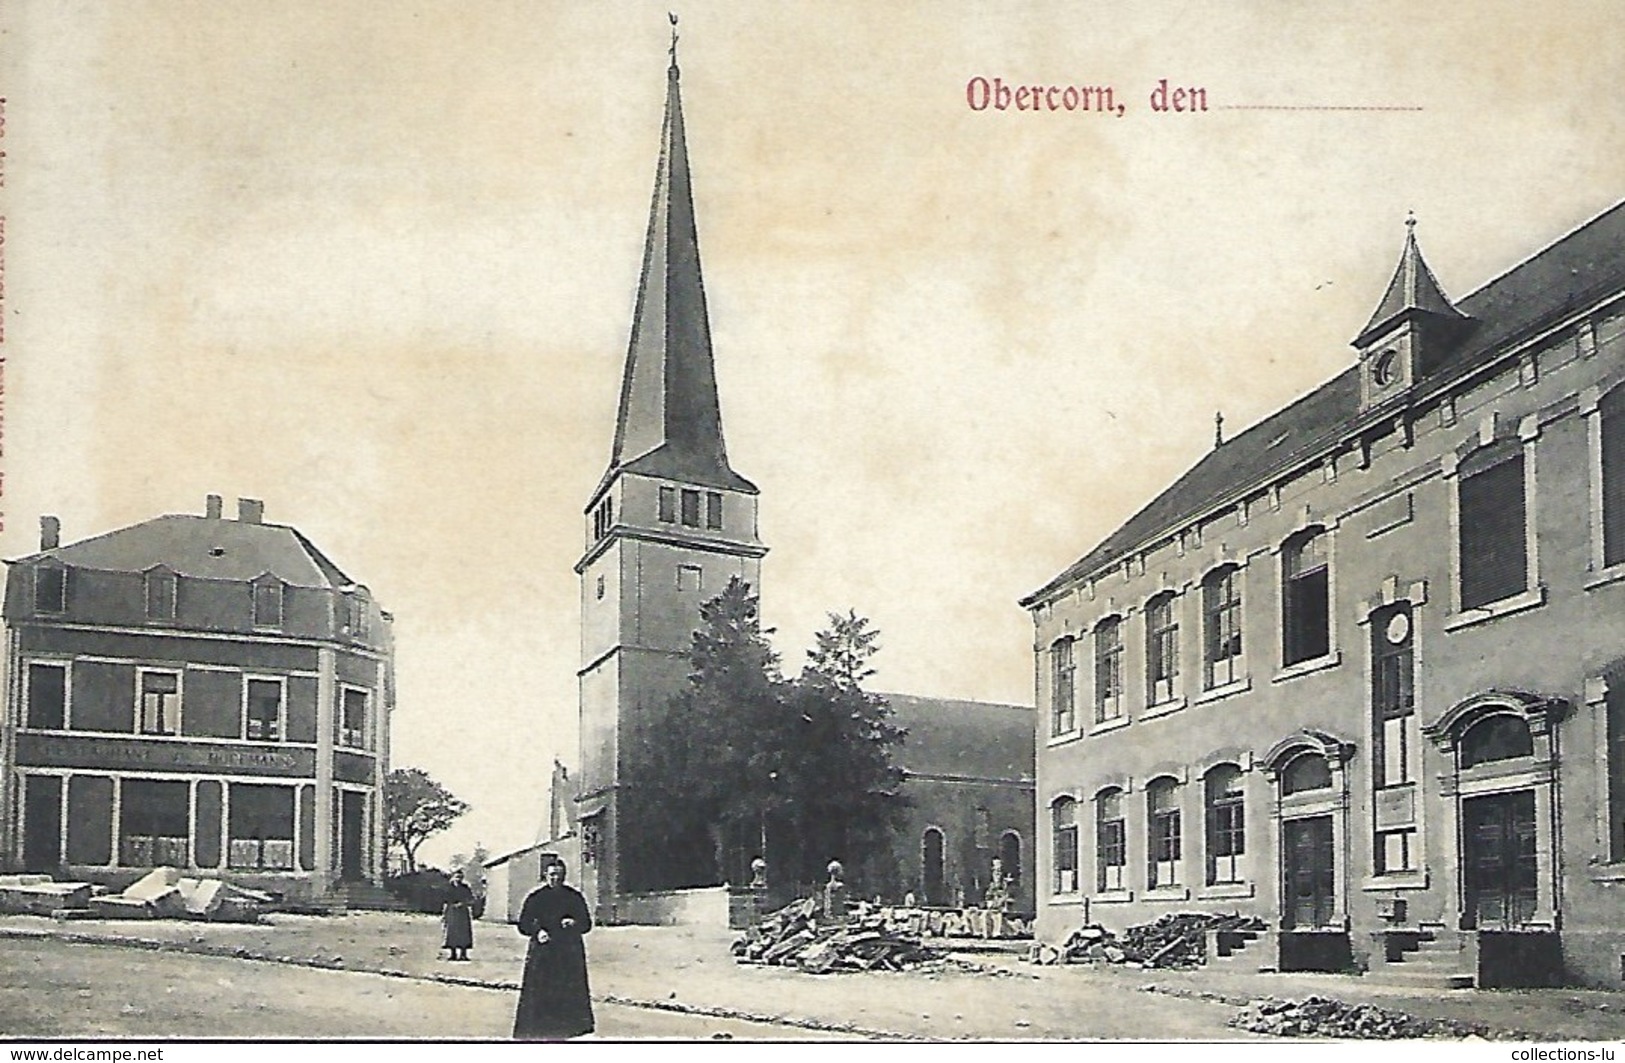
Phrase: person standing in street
(554, 1001)
(457, 918)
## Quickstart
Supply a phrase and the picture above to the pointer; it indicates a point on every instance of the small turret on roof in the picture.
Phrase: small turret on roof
(1414, 290)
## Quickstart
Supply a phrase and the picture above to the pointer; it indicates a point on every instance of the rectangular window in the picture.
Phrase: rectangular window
(1494, 539)
(1221, 611)
(713, 510)
(154, 823)
(263, 712)
(1396, 851)
(1306, 599)
(47, 696)
(160, 596)
(160, 703)
(1393, 697)
(1162, 648)
(261, 827)
(1612, 412)
(1108, 670)
(1111, 843)
(268, 604)
(690, 578)
(1063, 670)
(1066, 846)
(668, 505)
(691, 508)
(50, 588)
(353, 719)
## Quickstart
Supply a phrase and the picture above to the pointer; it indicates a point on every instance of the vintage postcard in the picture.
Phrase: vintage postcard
(814, 521)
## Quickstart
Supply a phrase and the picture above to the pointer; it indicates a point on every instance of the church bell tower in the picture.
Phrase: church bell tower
(666, 529)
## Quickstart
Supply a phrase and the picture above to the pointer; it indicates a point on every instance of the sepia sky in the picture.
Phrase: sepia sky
(375, 264)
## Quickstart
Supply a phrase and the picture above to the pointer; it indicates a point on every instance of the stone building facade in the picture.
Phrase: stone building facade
(198, 692)
(1361, 671)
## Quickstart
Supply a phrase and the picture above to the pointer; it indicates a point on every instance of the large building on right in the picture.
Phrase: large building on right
(1361, 671)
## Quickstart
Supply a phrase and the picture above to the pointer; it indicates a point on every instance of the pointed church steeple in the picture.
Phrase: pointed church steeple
(670, 423)
(1413, 329)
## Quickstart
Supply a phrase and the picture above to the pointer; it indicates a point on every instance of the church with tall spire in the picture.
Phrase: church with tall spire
(668, 526)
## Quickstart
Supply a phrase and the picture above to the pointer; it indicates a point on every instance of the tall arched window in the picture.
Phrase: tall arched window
(1226, 824)
(933, 881)
(1064, 814)
(1111, 841)
(1161, 648)
(1063, 676)
(1109, 669)
(1305, 597)
(1010, 857)
(1221, 627)
(1163, 833)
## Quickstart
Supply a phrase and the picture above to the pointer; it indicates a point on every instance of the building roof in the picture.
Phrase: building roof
(670, 423)
(205, 548)
(1577, 270)
(975, 739)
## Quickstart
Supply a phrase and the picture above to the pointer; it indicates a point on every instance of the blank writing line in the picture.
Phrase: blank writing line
(1305, 107)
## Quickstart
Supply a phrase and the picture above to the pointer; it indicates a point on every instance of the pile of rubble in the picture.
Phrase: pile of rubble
(162, 894)
(793, 936)
(1317, 1016)
(1175, 940)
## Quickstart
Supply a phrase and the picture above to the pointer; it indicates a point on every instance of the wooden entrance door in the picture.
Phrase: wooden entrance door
(1501, 863)
(352, 836)
(1307, 848)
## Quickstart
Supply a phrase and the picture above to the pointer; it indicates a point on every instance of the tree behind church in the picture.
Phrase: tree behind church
(742, 762)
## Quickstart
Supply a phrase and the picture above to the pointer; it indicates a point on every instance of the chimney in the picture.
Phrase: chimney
(250, 510)
(211, 507)
(50, 533)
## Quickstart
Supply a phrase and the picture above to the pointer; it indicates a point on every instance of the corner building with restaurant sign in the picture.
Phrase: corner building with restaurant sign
(1361, 671)
(195, 692)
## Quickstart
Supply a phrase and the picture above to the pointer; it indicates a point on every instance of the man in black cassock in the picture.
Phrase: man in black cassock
(554, 1002)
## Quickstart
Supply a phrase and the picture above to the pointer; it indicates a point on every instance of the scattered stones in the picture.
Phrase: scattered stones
(1317, 1016)
(1175, 940)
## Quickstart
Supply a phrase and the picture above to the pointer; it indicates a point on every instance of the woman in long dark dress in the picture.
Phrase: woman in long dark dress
(457, 918)
(554, 1002)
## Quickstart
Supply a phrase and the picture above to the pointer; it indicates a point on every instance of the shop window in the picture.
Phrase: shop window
(154, 823)
(261, 827)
